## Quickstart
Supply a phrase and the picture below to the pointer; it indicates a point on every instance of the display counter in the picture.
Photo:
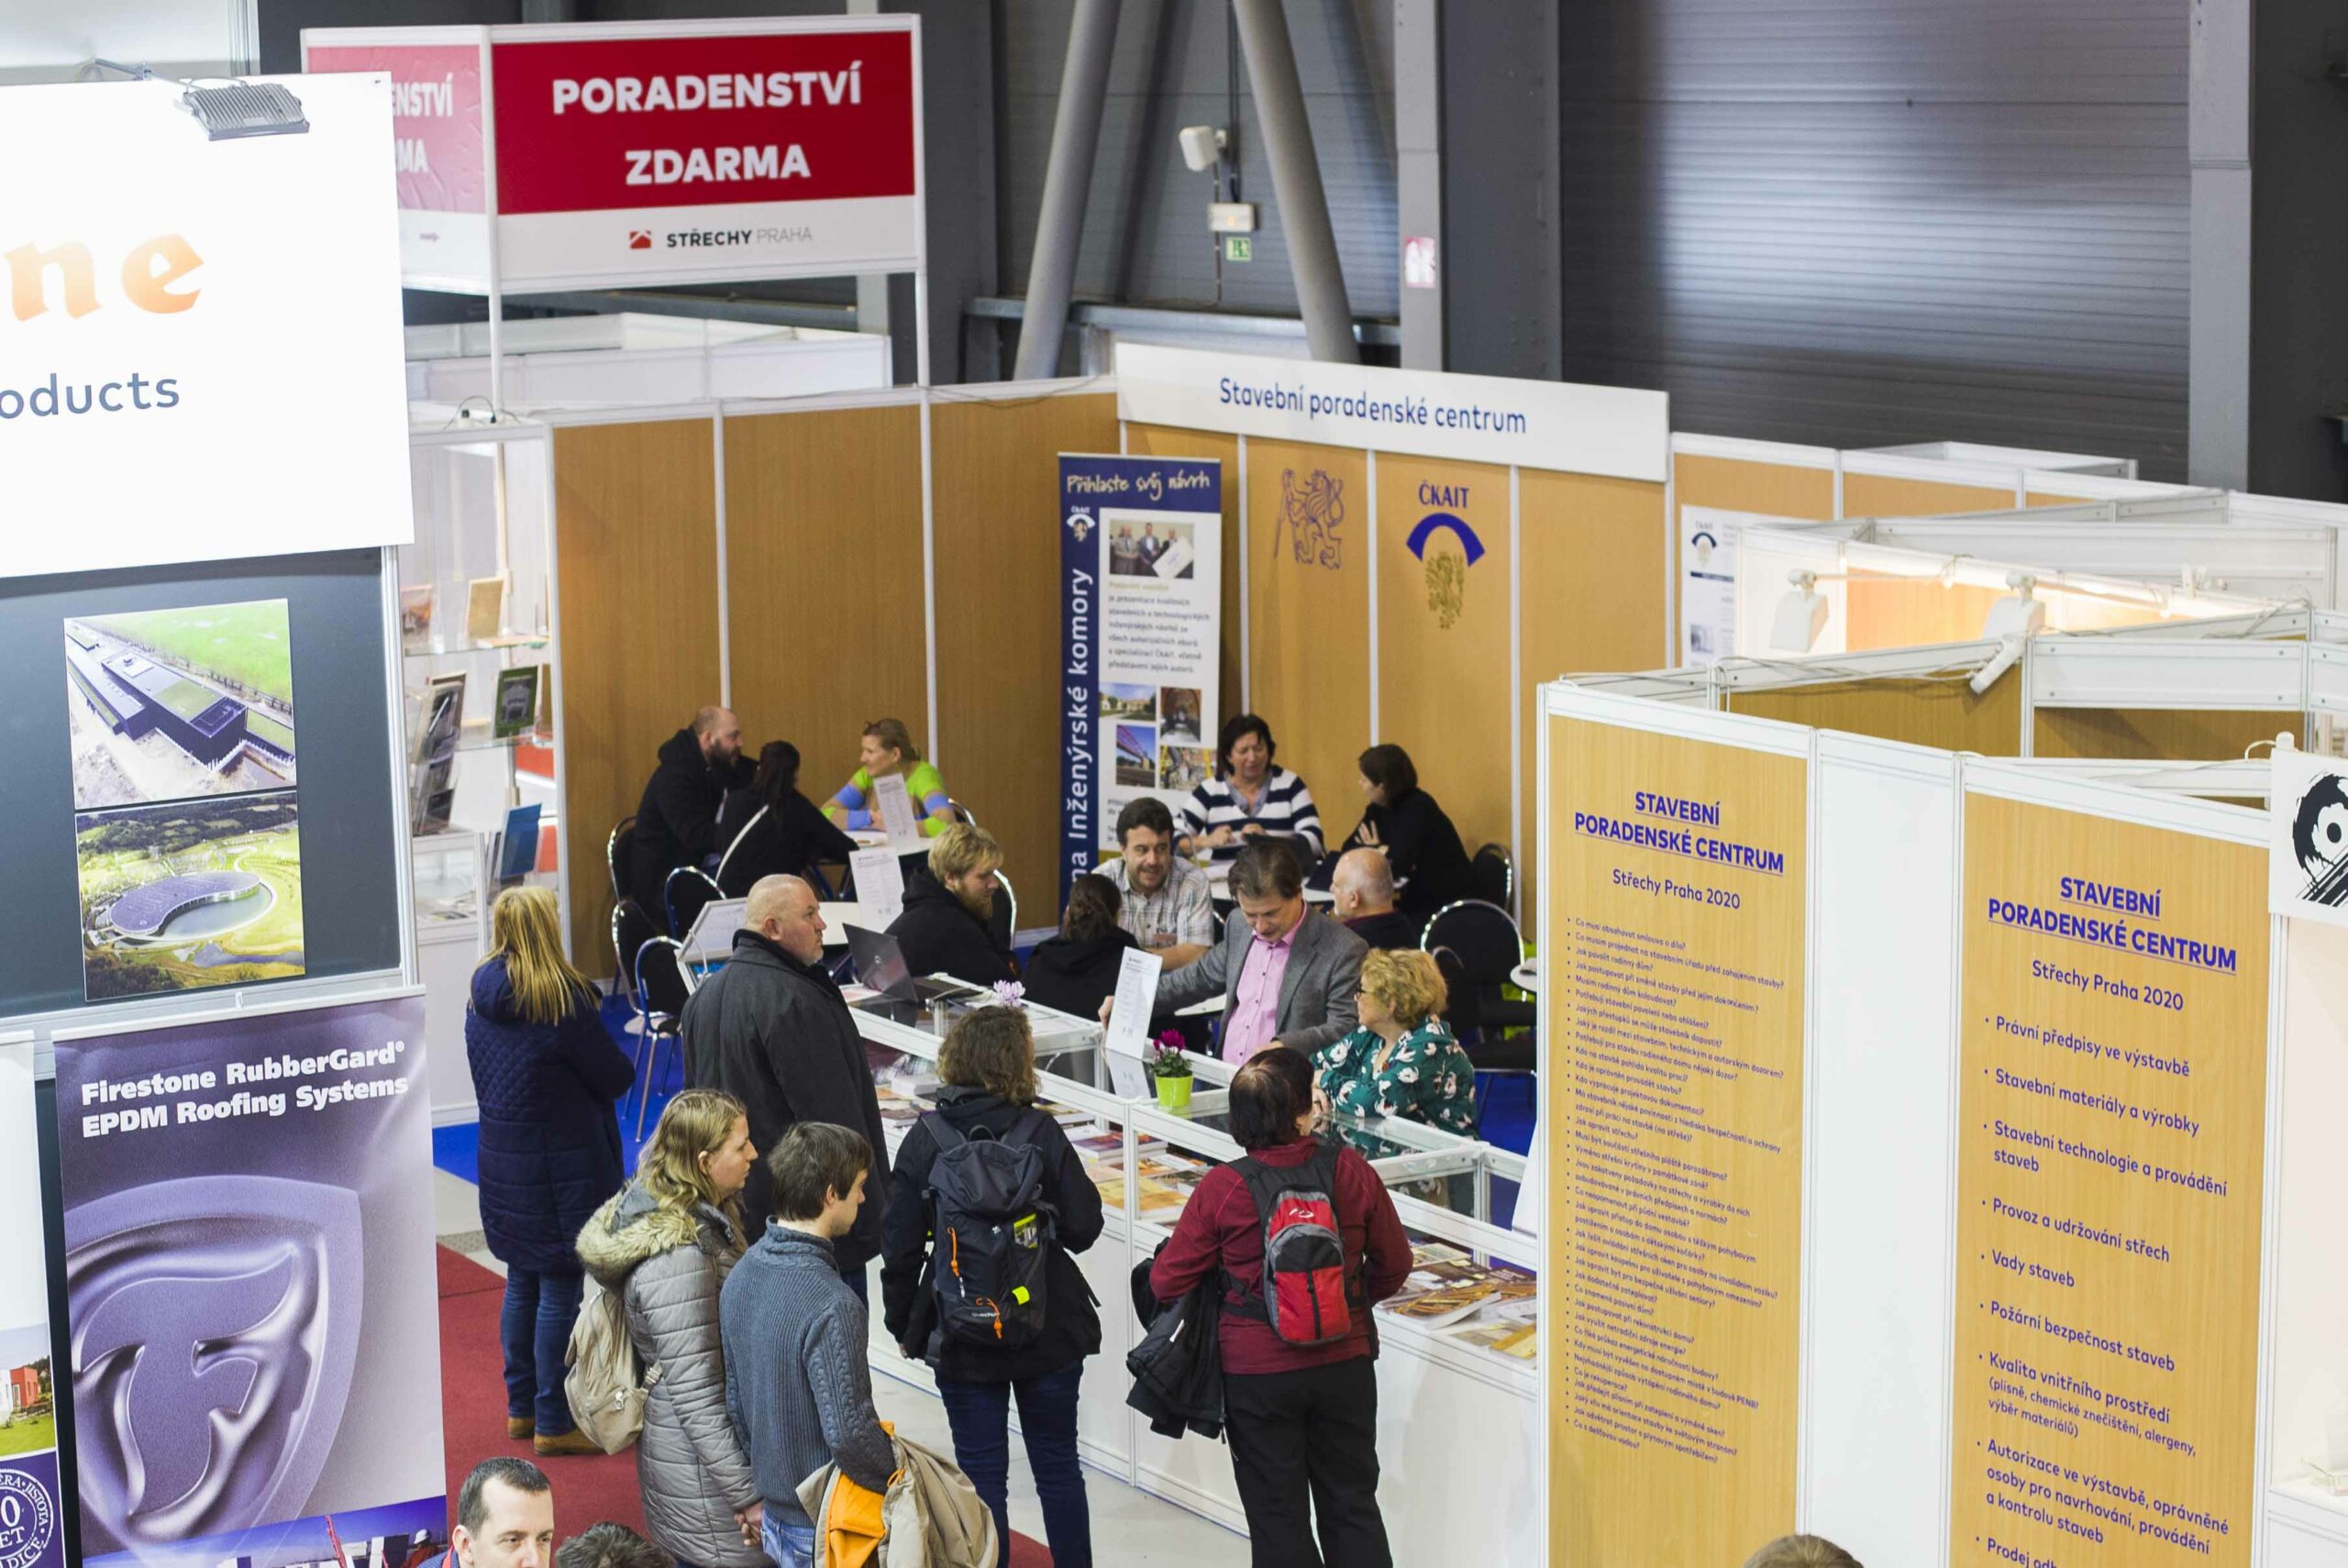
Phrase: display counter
(1458, 1385)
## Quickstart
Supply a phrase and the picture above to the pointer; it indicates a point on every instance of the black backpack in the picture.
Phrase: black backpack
(993, 1235)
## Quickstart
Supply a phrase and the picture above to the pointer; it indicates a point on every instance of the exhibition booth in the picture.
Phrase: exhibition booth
(2106, 1077)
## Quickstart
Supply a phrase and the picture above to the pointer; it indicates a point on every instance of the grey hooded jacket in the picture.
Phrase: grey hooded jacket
(669, 1265)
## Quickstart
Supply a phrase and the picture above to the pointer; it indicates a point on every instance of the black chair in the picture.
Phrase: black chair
(961, 812)
(1490, 948)
(664, 985)
(1494, 1056)
(618, 850)
(631, 929)
(688, 891)
(1494, 875)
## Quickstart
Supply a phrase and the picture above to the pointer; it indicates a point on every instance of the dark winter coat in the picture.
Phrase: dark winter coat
(775, 1034)
(676, 823)
(1424, 851)
(775, 842)
(668, 1266)
(549, 1143)
(1177, 1365)
(1075, 976)
(941, 938)
(1071, 1325)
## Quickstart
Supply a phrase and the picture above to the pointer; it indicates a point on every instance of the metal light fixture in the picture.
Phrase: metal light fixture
(230, 110)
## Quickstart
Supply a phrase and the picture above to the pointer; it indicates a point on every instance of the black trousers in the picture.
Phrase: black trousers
(1304, 1449)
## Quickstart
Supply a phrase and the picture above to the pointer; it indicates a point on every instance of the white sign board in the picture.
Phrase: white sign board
(2307, 837)
(1617, 431)
(1129, 1013)
(1707, 584)
(200, 355)
(895, 809)
(879, 884)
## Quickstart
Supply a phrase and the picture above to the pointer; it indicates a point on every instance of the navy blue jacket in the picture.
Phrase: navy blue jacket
(550, 1142)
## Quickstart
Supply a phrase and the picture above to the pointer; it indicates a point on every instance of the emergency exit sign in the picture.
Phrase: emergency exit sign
(1239, 247)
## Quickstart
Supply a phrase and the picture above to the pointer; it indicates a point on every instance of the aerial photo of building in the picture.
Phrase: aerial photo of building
(166, 705)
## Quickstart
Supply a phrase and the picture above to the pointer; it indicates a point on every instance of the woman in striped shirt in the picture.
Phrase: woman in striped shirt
(1248, 796)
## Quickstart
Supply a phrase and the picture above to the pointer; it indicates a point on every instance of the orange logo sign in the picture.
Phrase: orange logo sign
(148, 274)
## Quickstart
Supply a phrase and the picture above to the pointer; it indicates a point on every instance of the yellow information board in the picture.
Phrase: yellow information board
(2113, 1049)
(1673, 1117)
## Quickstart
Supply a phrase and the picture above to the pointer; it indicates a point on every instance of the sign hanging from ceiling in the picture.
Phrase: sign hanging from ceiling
(605, 156)
(200, 342)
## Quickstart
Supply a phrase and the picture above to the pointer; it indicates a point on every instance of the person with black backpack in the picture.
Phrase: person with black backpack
(987, 1200)
(1305, 1240)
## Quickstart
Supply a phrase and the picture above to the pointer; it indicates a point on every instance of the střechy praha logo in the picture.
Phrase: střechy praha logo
(215, 1328)
(2320, 840)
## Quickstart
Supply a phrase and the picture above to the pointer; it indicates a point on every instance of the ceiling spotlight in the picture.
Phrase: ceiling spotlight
(2018, 614)
(1802, 614)
(228, 110)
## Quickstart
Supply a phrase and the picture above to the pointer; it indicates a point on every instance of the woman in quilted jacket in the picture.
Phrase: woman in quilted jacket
(665, 1245)
(546, 1076)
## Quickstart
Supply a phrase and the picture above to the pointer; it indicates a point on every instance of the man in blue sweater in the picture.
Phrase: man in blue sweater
(798, 1380)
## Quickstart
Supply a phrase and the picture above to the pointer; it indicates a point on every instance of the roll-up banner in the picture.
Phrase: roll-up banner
(616, 155)
(32, 1533)
(200, 348)
(250, 1289)
(1141, 606)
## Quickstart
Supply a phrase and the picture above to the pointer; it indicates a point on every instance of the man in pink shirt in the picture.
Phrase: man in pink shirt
(1286, 977)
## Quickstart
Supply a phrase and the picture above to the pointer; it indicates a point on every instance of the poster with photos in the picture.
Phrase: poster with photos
(1141, 558)
(186, 822)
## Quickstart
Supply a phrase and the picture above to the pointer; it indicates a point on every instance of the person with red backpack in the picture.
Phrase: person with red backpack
(1306, 1242)
(988, 1198)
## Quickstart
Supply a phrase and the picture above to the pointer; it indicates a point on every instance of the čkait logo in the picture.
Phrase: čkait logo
(147, 276)
(1447, 568)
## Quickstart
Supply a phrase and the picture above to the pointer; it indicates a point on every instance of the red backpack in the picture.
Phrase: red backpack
(1309, 1294)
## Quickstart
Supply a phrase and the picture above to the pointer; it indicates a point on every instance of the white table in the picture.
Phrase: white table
(1218, 876)
(711, 938)
(1526, 977)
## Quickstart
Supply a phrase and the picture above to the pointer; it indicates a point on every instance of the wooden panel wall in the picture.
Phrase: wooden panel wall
(1776, 489)
(1593, 600)
(1880, 496)
(1164, 441)
(823, 581)
(1911, 612)
(2110, 1152)
(636, 529)
(1308, 533)
(2180, 735)
(995, 521)
(1944, 713)
(1442, 641)
(1672, 1363)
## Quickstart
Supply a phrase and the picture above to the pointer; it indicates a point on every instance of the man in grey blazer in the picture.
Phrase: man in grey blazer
(1287, 978)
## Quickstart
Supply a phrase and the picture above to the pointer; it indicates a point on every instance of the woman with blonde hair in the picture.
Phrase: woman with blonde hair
(546, 1076)
(988, 1065)
(887, 748)
(665, 1247)
(1402, 1061)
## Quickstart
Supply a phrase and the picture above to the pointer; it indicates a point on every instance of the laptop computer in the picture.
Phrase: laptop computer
(880, 967)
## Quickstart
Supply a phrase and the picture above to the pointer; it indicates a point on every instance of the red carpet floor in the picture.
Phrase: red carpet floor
(587, 1489)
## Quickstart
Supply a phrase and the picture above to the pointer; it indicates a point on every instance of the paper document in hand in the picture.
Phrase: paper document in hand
(1137, 999)
(896, 810)
(880, 883)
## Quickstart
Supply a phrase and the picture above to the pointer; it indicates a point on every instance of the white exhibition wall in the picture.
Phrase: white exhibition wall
(1880, 1144)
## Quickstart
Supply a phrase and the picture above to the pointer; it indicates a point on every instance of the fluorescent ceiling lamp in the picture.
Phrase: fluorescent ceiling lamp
(1802, 614)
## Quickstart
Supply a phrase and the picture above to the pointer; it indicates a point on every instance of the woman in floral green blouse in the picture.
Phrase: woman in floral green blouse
(1403, 1060)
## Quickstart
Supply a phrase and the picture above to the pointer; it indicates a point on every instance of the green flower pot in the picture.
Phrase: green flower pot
(1174, 1094)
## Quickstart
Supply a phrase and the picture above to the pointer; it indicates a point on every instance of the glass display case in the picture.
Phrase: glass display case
(1460, 1345)
(477, 658)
